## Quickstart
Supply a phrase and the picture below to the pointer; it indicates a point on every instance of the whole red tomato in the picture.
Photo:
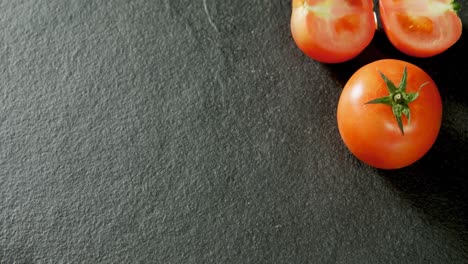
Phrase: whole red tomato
(389, 113)
(332, 31)
(421, 28)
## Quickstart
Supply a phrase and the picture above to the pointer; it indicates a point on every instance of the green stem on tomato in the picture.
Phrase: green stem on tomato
(456, 6)
(398, 99)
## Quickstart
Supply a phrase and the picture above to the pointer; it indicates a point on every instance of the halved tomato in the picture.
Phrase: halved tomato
(421, 28)
(332, 31)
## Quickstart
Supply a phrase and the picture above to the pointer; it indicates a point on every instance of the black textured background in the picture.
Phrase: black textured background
(194, 131)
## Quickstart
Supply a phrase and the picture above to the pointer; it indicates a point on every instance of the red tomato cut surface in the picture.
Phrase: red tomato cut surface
(332, 31)
(420, 28)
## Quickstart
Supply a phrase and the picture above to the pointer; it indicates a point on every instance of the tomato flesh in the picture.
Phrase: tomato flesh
(420, 28)
(332, 31)
(371, 132)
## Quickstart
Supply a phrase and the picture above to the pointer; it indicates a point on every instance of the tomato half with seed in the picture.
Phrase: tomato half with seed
(332, 31)
(389, 113)
(421, 28)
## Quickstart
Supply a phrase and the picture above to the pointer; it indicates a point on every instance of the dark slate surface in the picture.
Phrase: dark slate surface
(196, 132)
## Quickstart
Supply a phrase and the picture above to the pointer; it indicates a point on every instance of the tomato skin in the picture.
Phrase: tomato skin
(432, 35)
(371, 132)
(332, 38)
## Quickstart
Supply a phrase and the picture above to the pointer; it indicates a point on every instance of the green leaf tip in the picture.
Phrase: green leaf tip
(456, 6)
(403, 81)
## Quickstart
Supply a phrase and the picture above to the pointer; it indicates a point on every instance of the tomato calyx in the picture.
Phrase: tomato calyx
(456, 6)
(398, 99)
